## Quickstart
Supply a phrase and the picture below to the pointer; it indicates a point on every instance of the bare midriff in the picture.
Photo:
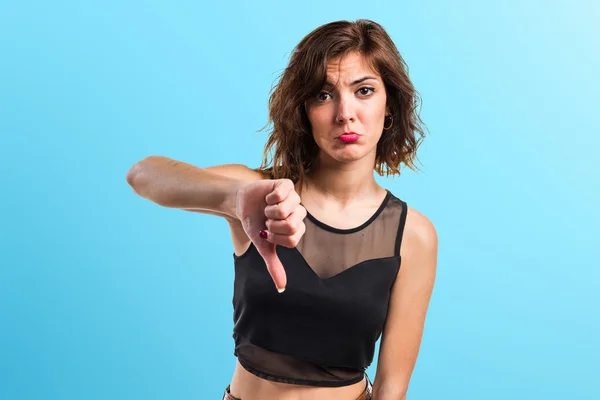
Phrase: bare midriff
(248, 386)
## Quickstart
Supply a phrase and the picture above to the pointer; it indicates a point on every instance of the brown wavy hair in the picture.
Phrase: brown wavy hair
(291, 144)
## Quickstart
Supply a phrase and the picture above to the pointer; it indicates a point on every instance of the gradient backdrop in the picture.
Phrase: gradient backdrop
(104, 295)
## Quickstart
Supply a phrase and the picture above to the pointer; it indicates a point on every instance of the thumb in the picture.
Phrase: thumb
(274, 266)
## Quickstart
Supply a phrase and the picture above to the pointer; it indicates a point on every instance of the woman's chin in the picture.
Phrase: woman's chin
(349, 154)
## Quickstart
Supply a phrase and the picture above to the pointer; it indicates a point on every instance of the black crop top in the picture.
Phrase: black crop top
(322, 330)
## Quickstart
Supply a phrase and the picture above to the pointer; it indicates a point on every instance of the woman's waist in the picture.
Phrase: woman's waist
(248, 386)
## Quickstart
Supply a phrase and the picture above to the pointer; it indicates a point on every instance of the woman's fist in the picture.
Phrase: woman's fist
(271, 214)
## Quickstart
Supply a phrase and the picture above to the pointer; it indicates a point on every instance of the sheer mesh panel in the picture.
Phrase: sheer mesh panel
(328, 251)
(287, 369)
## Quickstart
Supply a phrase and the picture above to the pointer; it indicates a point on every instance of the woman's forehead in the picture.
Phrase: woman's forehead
(349, 68)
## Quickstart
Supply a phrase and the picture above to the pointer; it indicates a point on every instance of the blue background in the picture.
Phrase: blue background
(105, 295)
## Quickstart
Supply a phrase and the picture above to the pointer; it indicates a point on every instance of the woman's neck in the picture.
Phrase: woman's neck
(343, 185)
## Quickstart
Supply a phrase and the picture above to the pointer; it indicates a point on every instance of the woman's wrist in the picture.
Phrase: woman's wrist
(230, 201)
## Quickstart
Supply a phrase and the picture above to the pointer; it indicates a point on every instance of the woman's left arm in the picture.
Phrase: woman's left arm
(403, 330)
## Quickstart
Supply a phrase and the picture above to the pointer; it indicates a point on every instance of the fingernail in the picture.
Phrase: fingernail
(280, 290)
(263, 234)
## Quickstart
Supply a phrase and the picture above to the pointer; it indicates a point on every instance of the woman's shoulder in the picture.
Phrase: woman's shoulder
(419, 231)
(415, 220)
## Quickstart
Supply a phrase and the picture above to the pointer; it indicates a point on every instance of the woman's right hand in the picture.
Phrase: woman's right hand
(271, 214)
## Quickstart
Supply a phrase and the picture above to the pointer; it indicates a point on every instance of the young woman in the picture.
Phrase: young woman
(326, 260)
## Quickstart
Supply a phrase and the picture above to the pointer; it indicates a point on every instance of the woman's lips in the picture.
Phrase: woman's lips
(349, 137)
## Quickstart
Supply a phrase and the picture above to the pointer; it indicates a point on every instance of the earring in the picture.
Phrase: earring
(391, 122)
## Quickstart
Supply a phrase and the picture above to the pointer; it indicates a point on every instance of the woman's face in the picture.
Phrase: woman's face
(356, 104)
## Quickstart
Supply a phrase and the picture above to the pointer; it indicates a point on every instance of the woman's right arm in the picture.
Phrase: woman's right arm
(175, 184)
(266, 207)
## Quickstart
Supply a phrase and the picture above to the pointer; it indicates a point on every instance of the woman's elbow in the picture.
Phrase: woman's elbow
(146, 179)
(133, 176)
(137, 176)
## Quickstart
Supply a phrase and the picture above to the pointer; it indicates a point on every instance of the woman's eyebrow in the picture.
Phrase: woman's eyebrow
(364, 78)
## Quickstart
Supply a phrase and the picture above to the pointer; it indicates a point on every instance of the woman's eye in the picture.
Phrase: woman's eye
(365, 91)
(322, 96)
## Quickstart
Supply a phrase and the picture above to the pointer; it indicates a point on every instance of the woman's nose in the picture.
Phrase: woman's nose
(344, 111)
